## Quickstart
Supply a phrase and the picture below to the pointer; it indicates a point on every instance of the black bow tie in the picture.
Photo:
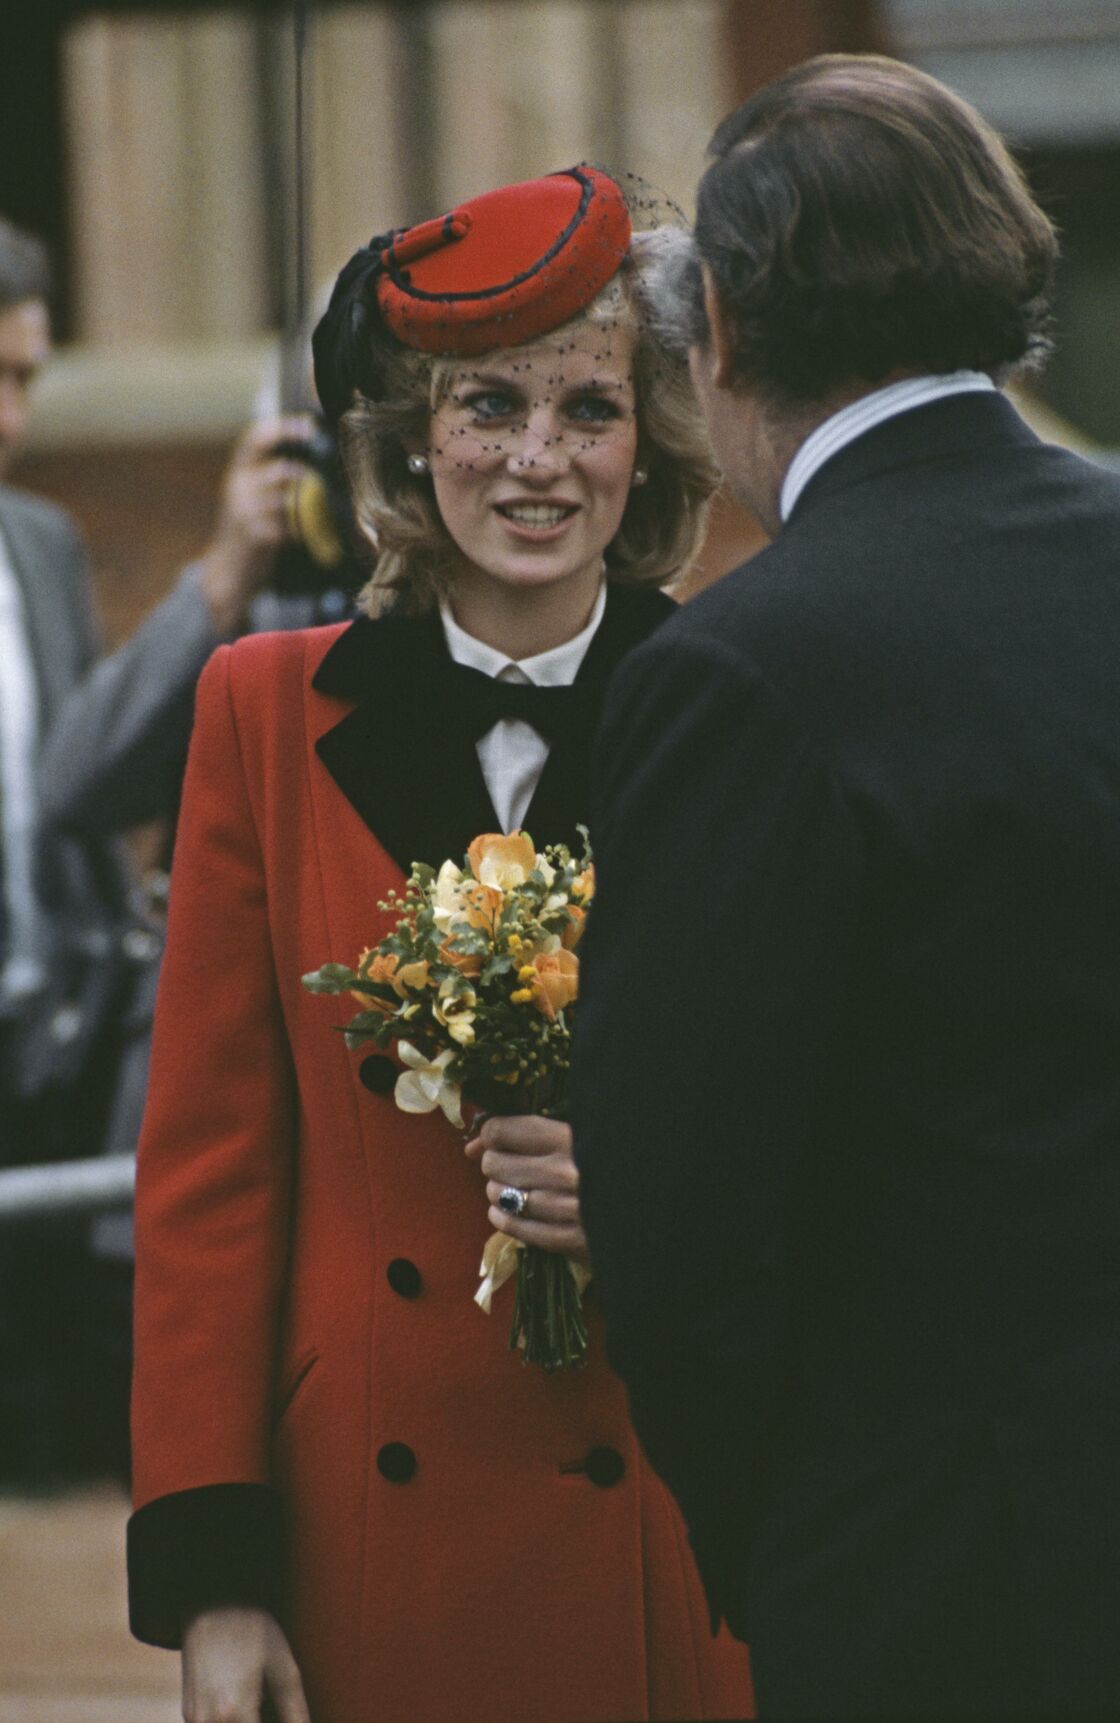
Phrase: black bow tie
(480, 701)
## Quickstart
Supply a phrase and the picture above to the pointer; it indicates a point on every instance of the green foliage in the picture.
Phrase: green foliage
(331, 978)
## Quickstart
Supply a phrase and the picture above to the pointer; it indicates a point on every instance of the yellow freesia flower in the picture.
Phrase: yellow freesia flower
(583, 886)
(412, 976)
(457, 897)
(447, 899)
(424, 1086)
(499, 1261)
(454, 1008)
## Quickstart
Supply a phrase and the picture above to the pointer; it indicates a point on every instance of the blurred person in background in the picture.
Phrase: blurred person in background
(92, 746)
(117, 750)
(278, 558)
(65, 911)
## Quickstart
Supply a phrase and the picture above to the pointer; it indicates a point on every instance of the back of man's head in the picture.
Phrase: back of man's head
(861, 221)
(25, 270)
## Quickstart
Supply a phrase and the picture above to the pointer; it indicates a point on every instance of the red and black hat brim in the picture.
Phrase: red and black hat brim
(502, 269)
(506, 267)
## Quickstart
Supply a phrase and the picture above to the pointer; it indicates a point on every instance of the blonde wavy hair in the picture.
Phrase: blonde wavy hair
(414, 555)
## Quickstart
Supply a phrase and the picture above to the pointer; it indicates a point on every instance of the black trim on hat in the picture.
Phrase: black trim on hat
(400, 277)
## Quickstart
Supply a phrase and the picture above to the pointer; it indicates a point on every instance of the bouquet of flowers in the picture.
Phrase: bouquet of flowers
(476, 986)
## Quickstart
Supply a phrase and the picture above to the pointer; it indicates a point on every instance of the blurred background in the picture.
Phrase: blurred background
(154, 150)
(153, 147)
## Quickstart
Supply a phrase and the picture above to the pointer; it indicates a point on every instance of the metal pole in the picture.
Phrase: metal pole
(293, 150)
(417, 120)
(611, 125)
(66, 1186)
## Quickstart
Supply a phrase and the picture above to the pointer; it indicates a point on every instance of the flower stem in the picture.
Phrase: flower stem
(547, 1312)
(548, 1321)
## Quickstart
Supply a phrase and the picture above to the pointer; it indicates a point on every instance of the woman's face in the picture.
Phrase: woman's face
(532, 455)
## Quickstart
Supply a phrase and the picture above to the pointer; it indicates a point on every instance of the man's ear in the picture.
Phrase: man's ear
(721, 334)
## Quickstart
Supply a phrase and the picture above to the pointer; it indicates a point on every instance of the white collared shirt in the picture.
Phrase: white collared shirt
(852, 421)
(512, 754)
(22, 972)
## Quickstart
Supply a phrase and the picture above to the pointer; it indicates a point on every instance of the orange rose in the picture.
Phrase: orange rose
(466, 962)
(410, 978)
(573, 933)
(384, 970)
(479, 905)
(556, 982)
(502, 862)
(583, 886)
(379, 970)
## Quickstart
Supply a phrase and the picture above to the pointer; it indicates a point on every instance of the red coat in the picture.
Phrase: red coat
(307, 1259)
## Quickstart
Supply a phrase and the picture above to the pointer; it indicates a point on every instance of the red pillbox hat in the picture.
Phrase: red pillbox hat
(507, 266)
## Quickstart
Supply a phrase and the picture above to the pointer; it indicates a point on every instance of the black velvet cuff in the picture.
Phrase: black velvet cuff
(200, 1549)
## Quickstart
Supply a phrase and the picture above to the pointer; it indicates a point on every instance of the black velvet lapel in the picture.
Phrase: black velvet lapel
(412, 775)
(397, 757)
(561, 800)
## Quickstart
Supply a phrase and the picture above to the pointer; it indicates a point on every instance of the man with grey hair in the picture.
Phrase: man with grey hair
(847, 1077)
(64, 903)
(90, 747)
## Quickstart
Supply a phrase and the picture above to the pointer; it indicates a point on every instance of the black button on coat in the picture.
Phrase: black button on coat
(404, 1277)
(604, 1466)
(396, 1462)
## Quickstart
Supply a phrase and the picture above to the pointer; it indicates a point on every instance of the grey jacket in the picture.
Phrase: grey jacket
(115, 758)
(117, 750)
(82, 881)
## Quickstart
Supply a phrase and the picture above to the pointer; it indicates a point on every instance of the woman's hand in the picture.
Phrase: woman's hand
(232, 1658)
(533, 1155)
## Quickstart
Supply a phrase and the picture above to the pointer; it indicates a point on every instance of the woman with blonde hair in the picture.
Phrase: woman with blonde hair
(354, 1503)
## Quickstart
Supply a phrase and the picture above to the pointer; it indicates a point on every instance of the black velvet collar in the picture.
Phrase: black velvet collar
(412, 775)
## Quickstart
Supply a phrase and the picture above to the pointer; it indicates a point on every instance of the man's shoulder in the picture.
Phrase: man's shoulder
(35, 512)
(734, 616)
(20, 510)
(813, 622)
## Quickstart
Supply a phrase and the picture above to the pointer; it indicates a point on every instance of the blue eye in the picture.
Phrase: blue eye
(593, 410)
(489, 404)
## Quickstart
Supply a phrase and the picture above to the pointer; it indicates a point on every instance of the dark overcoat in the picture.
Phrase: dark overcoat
(848, 1076)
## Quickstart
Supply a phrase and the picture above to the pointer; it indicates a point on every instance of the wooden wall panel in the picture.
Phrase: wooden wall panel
(356, 167)
(761, 39)
(144, 512)
(167, 206)
(515, 91)
(676, 90)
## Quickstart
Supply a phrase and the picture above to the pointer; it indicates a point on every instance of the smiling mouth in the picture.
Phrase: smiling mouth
(538, 516)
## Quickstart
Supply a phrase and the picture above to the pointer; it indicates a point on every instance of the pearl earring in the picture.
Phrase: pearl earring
(418, 465)
(640, 477)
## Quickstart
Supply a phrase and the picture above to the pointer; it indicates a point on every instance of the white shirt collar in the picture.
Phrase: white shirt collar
(22, 972)
(852, 421)
(555, 668)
